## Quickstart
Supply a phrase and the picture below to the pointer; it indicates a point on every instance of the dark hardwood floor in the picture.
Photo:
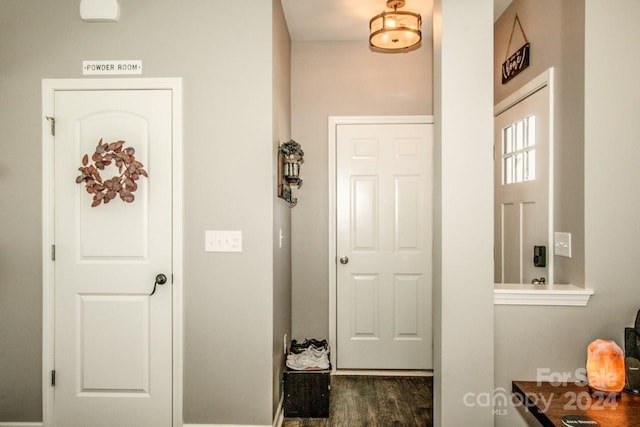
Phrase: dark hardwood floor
(373, 401)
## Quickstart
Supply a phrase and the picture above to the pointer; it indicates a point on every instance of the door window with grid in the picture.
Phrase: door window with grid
(519, 151)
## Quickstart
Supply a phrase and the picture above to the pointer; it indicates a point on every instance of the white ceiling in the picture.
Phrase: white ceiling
(499, 6)
(335, 20)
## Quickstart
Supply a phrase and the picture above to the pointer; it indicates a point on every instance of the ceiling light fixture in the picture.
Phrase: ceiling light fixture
(100, 10)
(395, 30)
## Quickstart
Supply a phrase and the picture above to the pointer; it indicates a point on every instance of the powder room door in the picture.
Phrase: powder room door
(384, 238)
(113, 335)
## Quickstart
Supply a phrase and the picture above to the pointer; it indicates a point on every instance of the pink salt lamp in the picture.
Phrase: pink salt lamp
(605, 367)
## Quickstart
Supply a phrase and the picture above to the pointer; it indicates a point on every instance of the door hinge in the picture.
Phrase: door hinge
(53, 252)
(53, 378)
(52, 125)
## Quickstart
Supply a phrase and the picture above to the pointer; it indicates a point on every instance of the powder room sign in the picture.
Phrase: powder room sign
(111, 67)
(519, 60)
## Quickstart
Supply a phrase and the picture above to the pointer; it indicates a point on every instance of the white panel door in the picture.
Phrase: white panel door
(113, 341)
(384, 246)
(522, 189)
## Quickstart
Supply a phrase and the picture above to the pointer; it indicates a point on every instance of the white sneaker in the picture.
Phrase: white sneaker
(304, 361)
(316, 352)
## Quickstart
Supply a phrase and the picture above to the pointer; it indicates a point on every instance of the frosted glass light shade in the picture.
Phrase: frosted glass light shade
(395, 30)
(99, 10)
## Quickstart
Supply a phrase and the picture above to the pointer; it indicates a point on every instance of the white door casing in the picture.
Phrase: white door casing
(113, 346)
(523, 211)
(383, 294)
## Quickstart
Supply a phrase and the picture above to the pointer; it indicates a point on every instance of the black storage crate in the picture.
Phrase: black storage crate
(306, 393)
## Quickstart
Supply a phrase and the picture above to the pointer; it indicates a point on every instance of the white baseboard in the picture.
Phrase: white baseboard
(374, 373)
(278, 420)
(19, 424)
(36, 424)
(222, 425)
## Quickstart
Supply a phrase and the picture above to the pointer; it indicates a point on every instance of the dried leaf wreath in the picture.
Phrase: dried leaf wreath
(124, 184)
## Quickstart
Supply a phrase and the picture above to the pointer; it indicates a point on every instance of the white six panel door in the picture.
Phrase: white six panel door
(384, 228)
(113, 341)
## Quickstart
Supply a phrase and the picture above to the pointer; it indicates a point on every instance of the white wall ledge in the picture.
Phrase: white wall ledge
(525, 294)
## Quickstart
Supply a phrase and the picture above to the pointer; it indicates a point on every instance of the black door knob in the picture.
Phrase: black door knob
(161, 279)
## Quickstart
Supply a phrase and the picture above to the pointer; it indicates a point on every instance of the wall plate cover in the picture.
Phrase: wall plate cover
(222, 241)
(562, 244)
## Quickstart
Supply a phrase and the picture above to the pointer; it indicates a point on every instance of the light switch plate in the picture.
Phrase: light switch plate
(562, 244)
(222, 241)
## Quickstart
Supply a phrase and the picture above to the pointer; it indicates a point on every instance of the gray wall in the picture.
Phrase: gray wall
(22, 55)
(555, 30)
(339, 79)
(555, 338)
(281, 210)
(230, 300)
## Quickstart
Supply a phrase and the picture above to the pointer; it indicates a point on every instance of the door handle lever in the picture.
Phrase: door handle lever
(161, 279)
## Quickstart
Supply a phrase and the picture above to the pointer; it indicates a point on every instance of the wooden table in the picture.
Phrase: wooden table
(549, 403)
